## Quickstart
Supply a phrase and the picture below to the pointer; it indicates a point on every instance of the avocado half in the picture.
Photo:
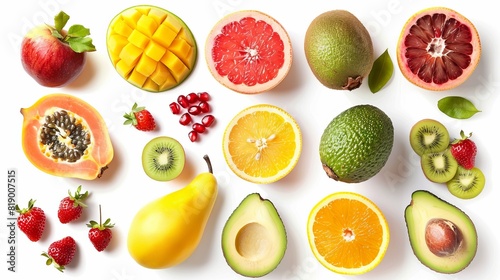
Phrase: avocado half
(254, 238)
(424, 207)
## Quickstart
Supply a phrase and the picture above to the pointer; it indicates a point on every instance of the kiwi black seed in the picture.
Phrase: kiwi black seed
(439, 167)
(429, 136)
(467, 183)
(163, 158)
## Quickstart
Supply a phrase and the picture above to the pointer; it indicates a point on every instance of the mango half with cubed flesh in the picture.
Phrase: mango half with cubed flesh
(151, 48)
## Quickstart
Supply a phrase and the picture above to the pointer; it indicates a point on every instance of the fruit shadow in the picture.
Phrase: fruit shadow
(292, 81)
(87, 74)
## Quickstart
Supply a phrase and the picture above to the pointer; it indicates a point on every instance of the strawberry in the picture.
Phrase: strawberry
(61, 252)
(140, 118)
(31, 221)
(71, 207)
(100, 234)
(464, 150)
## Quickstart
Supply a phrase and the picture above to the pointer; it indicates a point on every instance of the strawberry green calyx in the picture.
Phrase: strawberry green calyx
(51, 260)
(76, 36)
(100, 225)
(31, 203)
(462, 137)
(130, 117)
(78, 197)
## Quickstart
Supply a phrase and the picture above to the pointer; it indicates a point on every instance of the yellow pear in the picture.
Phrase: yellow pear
(166, 231)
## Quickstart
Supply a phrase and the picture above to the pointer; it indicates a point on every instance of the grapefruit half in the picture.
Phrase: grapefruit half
(438, 49)
(248, 51)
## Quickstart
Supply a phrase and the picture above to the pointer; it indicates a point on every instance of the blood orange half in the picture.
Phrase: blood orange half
(248, 52)
(438, 49)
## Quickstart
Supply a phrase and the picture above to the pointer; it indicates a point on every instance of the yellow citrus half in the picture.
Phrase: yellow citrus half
(262, 143)
(347, 233)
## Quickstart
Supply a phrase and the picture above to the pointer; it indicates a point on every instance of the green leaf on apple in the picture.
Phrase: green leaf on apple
(76, 36)
(60, 21)
(81, 44)
(78, 30)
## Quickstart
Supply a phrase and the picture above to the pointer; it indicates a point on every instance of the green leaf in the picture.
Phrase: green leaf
(81, 44)
(457, 107)
(381, 72)
(60, 20)
(78, 31)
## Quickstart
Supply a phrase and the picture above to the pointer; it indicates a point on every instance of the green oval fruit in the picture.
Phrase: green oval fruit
(339, 50)
(356, 144)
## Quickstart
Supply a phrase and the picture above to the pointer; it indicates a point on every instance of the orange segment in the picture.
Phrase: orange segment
(262, 143)
(348, 233)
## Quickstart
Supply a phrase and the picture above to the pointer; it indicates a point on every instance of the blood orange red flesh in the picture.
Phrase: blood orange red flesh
(438, 49)
(248, 51)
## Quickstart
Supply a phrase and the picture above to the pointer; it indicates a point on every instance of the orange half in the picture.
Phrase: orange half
(348, 233)
(262, 143)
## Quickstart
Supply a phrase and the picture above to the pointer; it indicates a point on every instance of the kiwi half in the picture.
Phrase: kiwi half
(439, 167)
(163, 158)
(429, 136)
(467, 183)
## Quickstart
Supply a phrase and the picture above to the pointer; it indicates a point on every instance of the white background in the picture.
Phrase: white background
(125, 188)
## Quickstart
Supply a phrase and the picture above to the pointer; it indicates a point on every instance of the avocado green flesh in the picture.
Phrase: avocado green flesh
(254, 238)
(357, 143)
(425, 206)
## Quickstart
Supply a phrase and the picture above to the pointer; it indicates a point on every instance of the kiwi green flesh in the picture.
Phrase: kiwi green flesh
(429, 136)
(163, 158)
(439, 167)
(467, 183)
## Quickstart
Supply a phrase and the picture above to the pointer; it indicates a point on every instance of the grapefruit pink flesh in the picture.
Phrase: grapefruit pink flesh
(438, 49)
(248, 52)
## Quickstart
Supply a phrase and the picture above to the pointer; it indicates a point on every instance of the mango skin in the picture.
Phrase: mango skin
(166, 231)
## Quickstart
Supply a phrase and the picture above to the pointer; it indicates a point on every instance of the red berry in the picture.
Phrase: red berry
(205, 108)
(192, 97)
(71, 207)
(140, 118)
(193, 135)
(31, 221)
(183, 101)
(194, 110)
(464, 151)
(207, 120)
(175, 108)
(204, 96)
(198, 127)
(61, 252)
(100, 234)
(185, 119)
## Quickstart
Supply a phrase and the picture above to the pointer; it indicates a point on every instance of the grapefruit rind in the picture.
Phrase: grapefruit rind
(276, 26)
(402, 60)
(151, 48)
(226, 141)
(370, 204)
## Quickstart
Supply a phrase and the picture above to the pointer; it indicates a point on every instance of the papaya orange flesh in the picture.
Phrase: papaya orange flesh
(80, 148)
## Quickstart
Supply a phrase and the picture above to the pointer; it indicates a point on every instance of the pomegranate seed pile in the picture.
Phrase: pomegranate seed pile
(196, 104)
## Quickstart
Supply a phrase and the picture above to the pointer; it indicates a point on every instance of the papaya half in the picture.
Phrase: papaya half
(65, 136)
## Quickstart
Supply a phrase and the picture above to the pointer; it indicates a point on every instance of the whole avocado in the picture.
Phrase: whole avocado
(339, 50)
(356, 144)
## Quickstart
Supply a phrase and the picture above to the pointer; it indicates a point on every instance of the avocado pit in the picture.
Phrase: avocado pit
(443, 237)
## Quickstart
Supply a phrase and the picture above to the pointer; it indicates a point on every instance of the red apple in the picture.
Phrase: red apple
(53, 56)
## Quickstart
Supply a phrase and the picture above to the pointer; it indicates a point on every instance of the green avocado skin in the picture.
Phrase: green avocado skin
(356, 144)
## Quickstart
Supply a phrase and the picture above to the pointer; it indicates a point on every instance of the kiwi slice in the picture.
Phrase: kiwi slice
(429, 136)
(163, 158)
(439, 167)
(467, 183)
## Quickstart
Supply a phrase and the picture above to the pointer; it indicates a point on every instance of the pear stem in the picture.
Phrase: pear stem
(207, 159)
